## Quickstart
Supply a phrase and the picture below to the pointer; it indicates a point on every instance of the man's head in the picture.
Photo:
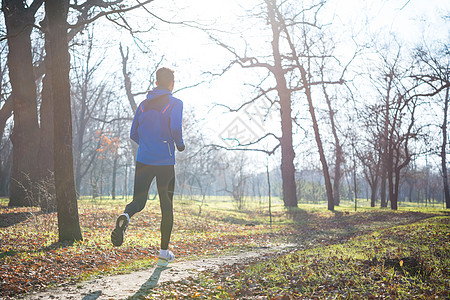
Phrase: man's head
(165, 78)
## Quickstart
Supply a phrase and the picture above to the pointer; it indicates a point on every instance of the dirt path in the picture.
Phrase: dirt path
(137, 284)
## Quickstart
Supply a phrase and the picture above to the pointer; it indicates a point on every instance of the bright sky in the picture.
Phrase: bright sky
(190, 52)
(190, 49)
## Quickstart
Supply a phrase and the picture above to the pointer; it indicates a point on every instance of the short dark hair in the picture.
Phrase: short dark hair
(164, 77)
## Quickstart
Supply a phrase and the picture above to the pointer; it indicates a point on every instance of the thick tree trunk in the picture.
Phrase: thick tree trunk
(68, 221)
(384, 201)
(391, 178)
(287, 149)
(46, 153)
(337, 177)
(394, 191)
(277, 26)
(443, 151)
(5, 174)
(25, 137)
(287, 155)
(373, 195)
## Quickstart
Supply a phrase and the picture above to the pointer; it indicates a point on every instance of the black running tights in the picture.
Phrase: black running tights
(165, 182)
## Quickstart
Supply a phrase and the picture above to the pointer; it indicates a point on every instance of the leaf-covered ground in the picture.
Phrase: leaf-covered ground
(30, 258)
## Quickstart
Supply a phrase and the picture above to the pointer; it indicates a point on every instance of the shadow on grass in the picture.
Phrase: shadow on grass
(53, 246)
(10, 219)
(345, 223)
(92, 296)
(239, 221)
(149, 285)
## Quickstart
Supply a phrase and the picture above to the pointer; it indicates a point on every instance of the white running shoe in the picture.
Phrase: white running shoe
(164, 261)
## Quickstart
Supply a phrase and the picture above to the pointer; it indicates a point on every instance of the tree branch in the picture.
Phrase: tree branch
(107, 13)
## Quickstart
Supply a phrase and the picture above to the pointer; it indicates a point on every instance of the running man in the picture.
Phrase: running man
(156, 128)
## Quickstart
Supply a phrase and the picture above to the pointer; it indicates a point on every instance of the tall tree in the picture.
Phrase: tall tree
(46, 153)
(284, 94)
(88, 102)
(444, 148)
(369, 149)
(434, 73)
(68, 221)
(19, 21)
(338, 152)
(306, 78)
(397, 128)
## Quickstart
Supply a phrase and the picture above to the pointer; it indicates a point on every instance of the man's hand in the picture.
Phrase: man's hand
(181, 147)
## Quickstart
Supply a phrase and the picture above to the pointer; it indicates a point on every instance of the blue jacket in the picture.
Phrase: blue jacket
(157, 126)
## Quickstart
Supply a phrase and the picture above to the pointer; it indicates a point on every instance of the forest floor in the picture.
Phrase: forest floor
(227, 254)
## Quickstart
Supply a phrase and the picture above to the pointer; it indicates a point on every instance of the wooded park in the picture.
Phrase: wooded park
(312, 163)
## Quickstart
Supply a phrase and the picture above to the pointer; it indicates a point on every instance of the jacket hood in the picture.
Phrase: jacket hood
(157, 92)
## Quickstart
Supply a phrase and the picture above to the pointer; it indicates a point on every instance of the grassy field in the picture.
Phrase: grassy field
(368, 253)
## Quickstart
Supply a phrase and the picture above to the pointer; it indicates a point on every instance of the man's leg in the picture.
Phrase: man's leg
(165, 181)
(143, 177)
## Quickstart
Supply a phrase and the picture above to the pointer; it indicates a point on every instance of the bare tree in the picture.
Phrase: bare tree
(397, 128)
(68, 221)
(369, 154)
(302, 58)
(237, 178)
(91, 102)
(434, 72)
(19, 21)
(338, 152)
(290, 75)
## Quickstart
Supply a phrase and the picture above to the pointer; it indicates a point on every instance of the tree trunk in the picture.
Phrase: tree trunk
(394, 192)
(338, 152)
(277, 26)
(68, 221)
(383, 187)
(326, 174)
(443, 150)
(391, 178)
(386, 155)
(355, 181)
(46, 153)
(5, 174)
(337, 177)
(25, 137)
(81, 128)
(287, 154)
(411, 187)
(114, 176)
(373, 194)
(287, 149)
(127, 79)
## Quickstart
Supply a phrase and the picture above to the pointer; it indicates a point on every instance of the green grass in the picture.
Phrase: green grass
(370, 253)
(213, 228)
(405, 262)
